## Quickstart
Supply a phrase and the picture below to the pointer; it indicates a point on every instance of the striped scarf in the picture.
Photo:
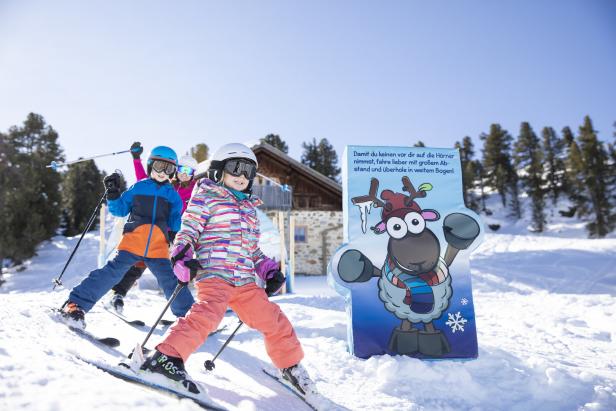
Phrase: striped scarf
(419, 295)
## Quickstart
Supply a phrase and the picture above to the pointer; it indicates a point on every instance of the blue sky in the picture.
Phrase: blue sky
(106, 73)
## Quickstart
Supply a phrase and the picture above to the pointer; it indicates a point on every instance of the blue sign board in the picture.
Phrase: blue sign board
(403, 268)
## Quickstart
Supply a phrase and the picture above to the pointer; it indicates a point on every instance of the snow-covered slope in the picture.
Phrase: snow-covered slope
(545, 309)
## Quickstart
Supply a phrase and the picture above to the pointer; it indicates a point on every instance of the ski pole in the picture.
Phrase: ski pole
(209, 364)
(56, 281)
(177, 290)
(55, 165)
(283, 187)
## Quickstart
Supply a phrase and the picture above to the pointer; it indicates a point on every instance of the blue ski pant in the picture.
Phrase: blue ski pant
(100, 281)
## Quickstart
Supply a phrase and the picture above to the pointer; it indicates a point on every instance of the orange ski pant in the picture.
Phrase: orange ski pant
(252, 306)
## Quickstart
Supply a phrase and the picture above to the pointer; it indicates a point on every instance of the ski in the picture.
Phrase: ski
(152, 381)
(166, 323)
(289, 387)
(218, 330)
(134, 323)
(106, 341)
(314, 400)
(147, 351)
(138, 323)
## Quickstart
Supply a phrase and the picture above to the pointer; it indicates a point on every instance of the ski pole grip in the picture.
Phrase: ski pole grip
(57, 283)
(180, 255)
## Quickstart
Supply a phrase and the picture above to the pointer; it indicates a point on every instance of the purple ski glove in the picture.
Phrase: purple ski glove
(180, 254)
(266, 268)
(181, 272)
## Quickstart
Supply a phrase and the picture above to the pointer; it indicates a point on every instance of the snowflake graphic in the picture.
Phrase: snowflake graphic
(464, 301)
(456, 322)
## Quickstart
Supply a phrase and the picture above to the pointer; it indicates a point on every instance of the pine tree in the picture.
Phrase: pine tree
(82, 188)
(497, 166)
(481, 180)
(612, 177)
(513, 187)
(321, 157)
(9, 176)
(575, 180)
(275, 141)
(613, 145)
(310, 157)
(568, 136)
(200, 152)
(595, 160)
(469, 172)
(419, 144)
(35, 204)
(528, 159)
(612, 149)
(554, 163)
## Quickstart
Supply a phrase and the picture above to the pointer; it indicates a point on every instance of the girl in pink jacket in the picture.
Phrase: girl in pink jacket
(220, 229)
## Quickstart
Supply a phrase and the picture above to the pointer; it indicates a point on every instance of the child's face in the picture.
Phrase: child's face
(237, 183)
(183, 177)
(159, 176)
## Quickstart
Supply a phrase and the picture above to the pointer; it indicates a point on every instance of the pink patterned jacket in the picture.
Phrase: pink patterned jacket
(223, 233)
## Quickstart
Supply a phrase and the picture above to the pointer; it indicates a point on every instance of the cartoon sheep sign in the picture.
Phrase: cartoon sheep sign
(403, 269)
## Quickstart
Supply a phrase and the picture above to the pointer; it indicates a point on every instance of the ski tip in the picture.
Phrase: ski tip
(110, 341)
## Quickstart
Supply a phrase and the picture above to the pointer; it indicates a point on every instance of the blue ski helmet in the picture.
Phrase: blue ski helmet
(162, 153)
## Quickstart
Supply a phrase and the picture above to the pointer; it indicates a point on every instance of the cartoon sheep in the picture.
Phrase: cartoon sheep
(414, 281)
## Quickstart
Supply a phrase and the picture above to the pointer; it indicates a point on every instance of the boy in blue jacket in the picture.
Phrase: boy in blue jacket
(154, 210)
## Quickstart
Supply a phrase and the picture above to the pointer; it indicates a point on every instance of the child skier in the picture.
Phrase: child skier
(183, 184)
(154, 209)
(220, 229)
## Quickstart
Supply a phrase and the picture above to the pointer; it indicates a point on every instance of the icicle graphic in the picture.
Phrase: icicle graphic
(364, 210)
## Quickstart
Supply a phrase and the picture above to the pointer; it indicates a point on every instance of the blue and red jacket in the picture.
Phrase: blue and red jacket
(153, 209)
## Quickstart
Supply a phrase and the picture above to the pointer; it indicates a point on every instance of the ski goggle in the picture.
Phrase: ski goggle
(163, 167)
(237, 167)
(189, 171)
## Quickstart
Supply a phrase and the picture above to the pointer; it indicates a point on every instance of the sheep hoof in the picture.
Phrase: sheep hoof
(460, 230)
(433, 344)
(403, 342)
(354, 267)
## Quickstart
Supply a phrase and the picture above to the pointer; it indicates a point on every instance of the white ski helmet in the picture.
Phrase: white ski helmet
(234, 150)
(228, 152)
(188, 161)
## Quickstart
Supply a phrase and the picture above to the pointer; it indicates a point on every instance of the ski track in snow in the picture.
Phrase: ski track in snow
(545, 309)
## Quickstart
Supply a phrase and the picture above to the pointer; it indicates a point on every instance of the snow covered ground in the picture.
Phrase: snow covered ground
(546, 318)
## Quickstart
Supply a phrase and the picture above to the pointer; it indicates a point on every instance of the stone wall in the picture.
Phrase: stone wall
(323, 236)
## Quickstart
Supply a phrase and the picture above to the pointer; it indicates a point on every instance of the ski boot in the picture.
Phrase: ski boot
(299, 378)
(117, 303)
(170, 367)
(75, 315)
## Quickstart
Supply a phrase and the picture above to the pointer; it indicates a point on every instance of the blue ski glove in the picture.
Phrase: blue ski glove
(136, 150)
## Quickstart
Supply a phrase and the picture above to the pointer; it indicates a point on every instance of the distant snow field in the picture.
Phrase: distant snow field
(546, 320)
